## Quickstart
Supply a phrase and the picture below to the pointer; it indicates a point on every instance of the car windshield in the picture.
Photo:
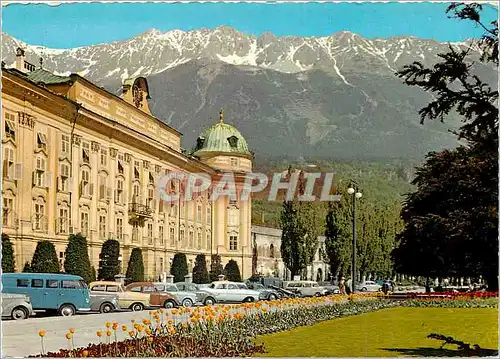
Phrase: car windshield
(241, 286)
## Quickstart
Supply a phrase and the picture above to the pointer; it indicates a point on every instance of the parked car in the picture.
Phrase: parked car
(330, 288)
(228, 292)
(202, 296)
(187, 299)
(126, 300)
(369, 286)
(157, 298)
(265, 293)
(16, 306)
(65, 294)
(104, 302)
(305, 288)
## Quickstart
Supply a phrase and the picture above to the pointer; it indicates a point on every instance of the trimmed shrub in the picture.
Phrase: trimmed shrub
(200, 272)
(109, 265)
(179, 267)
(77, 260)
(135, 268)
(45, 258)
(27, 268)
(232, 271)
(216, 268)
(8, 259)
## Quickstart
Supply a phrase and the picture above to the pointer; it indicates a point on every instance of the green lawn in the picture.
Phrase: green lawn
(388, 333)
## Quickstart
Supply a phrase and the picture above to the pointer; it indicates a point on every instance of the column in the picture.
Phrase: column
(219, 233)
(112, 166)
(75, 182)
(94, 175)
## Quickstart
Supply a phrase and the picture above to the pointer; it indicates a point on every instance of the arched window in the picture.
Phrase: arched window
(119, 196)
(39, 218)
(85, 185)
(271, 251)
(199, 212)
(103, 186)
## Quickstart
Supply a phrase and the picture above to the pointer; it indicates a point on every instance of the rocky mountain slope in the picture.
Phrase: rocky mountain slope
(333, 96)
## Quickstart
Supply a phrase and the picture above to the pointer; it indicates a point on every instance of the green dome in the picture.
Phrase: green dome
(221, 137)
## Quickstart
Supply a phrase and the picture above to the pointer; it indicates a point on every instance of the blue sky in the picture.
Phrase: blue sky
(79, 24)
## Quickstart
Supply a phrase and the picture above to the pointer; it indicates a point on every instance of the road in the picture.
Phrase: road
(20, 338)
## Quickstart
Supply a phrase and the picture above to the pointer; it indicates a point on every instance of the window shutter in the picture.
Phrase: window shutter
(18, 173)
(47, 179)
(5, 169)
(108, 193)
(59, 184)
(116, 196)
(91, 189)
(101, 191)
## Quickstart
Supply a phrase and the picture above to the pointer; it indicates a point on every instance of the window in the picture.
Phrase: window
(84, 223)
(135, 234)
(40, 172)
(271, 251)
(71, 284)
(63, 221)
(191, 239)
(112, 288)
(8, 205)
(104, 157)
(41, 141)
(119, 228)
(119, 191)
(10, 125)
(65, 143)
(103, 189)
(64, 178)
(172, 237)
(209, 214)
(198, 212)
(209, 240)
(150, 230)
(161, 234)
(233, 141)
(85, 184)
(38, 223)
(51, 283)
(181, 236)
(151, 178)
(136, 170)
(234, 162)
(85, 152)
(8, 163)
(120, 167)
(199, 240)
(102, 226)
(233, 242)
(136, 289)
(37, 283)
(22, 282)
(137, 192)
(233, 217)
(173, 210)
(151, 201)
(98, 288)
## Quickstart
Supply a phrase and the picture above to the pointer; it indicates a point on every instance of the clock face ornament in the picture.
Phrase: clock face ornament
(138, 96)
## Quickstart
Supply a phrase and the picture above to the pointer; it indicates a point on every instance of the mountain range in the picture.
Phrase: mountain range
(316, 97)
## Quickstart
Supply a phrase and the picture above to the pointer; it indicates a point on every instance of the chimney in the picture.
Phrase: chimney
(20, 58)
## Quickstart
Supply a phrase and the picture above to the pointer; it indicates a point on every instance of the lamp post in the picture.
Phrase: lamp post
(353, 190)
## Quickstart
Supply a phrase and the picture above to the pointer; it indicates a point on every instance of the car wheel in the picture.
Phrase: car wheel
(209, 301)
(248, 300)
(106, 308)
(19, 313)
(137, 307)
(317, 294)
(67, 310)
(187, 303)
(272, 297)
(364, 289)
(169, 304)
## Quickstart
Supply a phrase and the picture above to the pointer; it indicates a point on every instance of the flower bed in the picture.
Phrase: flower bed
(453, 295)
(457, 302)
(222, 331)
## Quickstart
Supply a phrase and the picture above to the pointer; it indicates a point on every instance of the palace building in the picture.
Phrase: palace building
(79, 159)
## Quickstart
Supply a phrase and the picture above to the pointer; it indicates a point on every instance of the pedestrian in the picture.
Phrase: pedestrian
(342, 285)
(348, 286)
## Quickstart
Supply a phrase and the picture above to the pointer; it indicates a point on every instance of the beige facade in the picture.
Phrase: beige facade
(78, 159)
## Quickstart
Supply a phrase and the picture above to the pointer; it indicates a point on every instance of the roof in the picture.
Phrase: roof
(46, 275)
(269, 231)
(221, 137)
(106, 282)
(46, 77)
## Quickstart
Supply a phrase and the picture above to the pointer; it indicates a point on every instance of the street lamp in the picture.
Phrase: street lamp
(353, 190)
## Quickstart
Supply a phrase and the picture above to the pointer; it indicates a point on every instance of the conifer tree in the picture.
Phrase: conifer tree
(8, 260)
(45, 258)
(77, 260)
(179, 267)
(216, 268)
(135, 268)
(200, 272)
(109, 265)
(232, 271)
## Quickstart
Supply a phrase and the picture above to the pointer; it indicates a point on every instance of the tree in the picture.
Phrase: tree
(27, 268)
(232, 271)
(109, 265)
(93, 272)
(179, 267)
(337, 239)
(135, 267)
(45, 258)
(216, 268)
(77, 260)
(8, 260)
(255, 258)
(200, 272)
(451, 220)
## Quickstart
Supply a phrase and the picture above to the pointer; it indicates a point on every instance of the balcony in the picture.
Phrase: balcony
(139, 210)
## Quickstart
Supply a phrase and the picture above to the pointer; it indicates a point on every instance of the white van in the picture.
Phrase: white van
(305, 288)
